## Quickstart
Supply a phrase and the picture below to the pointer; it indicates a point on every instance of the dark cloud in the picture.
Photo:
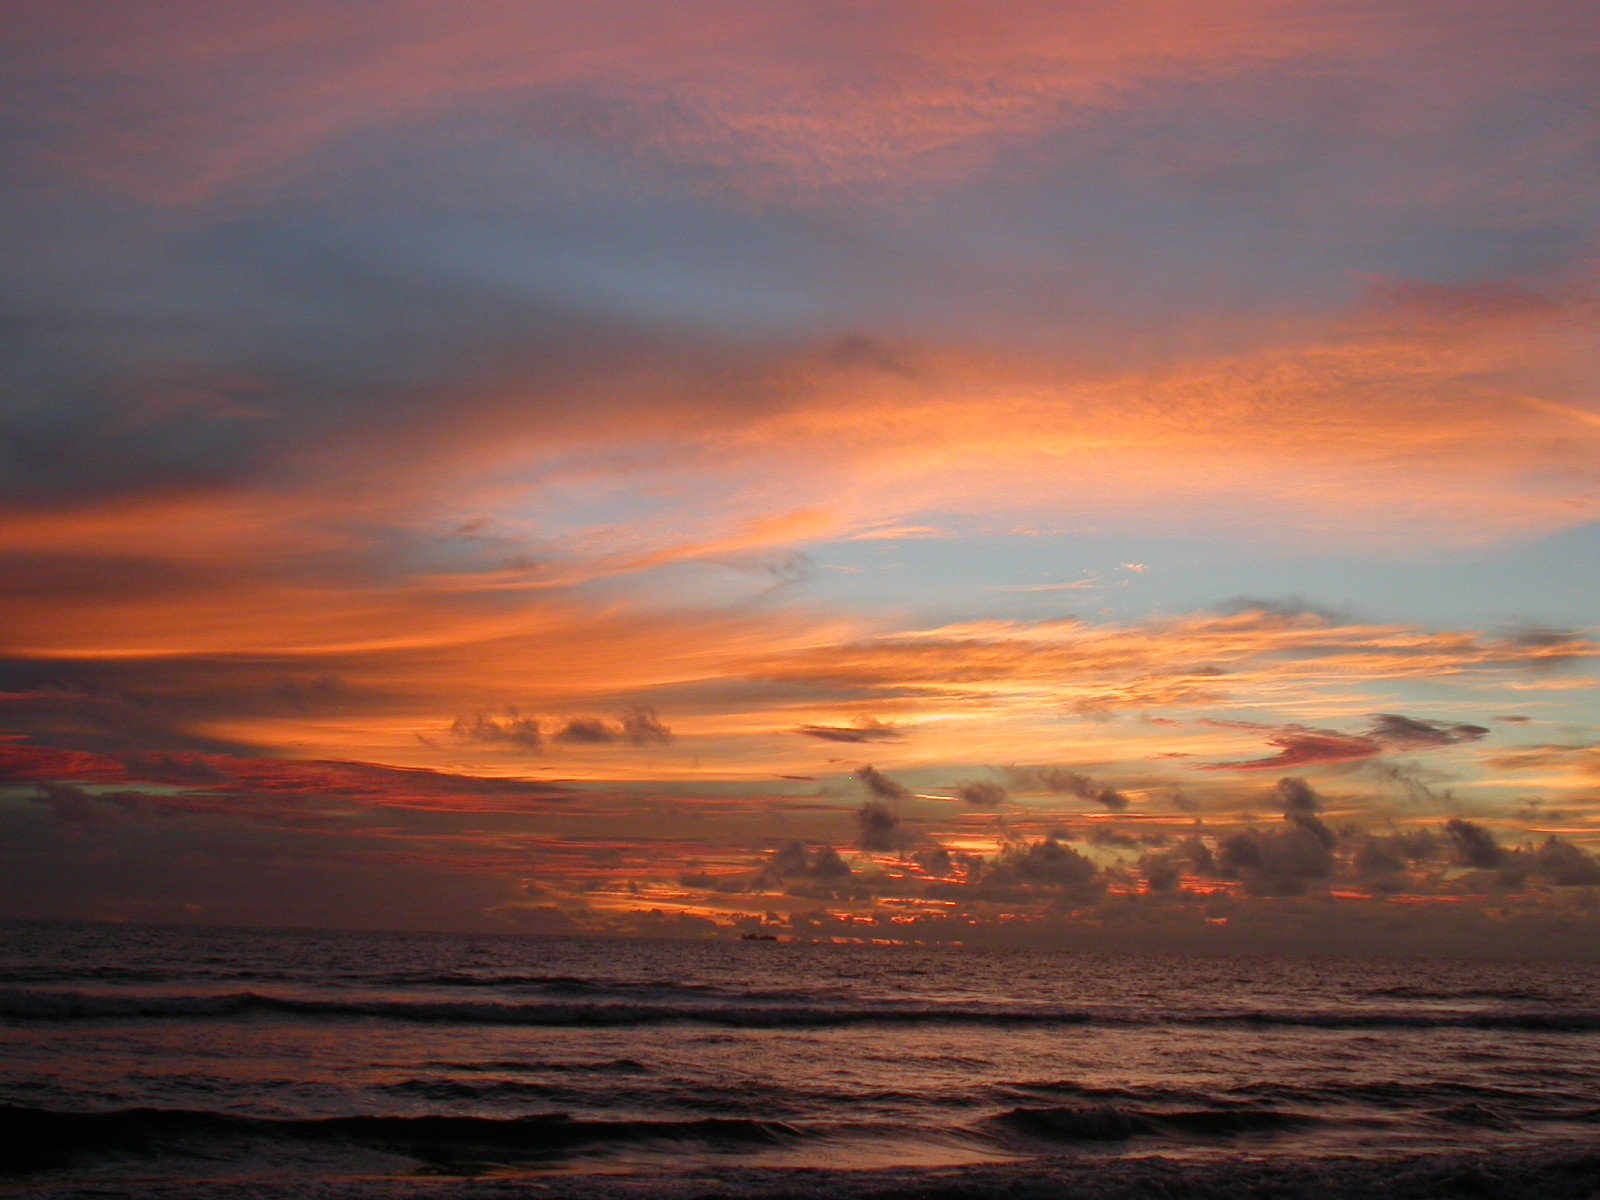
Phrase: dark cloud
(1286, 608)
(1550, 755)
(1276, 862)
(1304, 746)
(159, 702)
(1047, 863)
(1282, 862)
(1565, 865)
(1115, 839)
(641, 727)
(104, 723)
(73, 805)
(1377, 857)
(1300, 808)
(638, 726)
(864, 730)
(1474, 845)
(794, 858)
(879, 828)
(219, 779)
(880, 785)
(513, 729)
(1307, 746)
(586, 731)
(1070, 783)
(1415, 781)
(1297, 797)
(857, 350)
(1544, 647)
(981, 793)
(1198, 854)
(1161, 873)
(1398, 732)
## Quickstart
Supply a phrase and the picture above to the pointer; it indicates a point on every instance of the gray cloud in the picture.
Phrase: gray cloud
(1049, 863)
(981, 793)
(74, 805)
(879, 828)
(1474, 845)
(513, 729)
(1282, 862)
(586, 731)
(880, 785)
(1069, 783)
(865, 730)
(641, 727)
(794, 858)
(1300, 808)
(1565, 865)
(1408, 733)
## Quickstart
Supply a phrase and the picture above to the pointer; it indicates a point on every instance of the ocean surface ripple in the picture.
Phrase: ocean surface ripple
(156, 1061)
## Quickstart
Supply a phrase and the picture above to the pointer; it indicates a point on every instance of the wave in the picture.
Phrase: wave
(609, 1066)
(1411, 992)
(35, 1139)
(25, 1004)
(1452, 1103)
(1113, 1123)
(574, 985)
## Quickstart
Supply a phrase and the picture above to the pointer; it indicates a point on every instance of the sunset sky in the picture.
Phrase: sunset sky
(1057, 473)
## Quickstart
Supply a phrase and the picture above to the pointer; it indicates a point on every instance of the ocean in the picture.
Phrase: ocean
(147, 1061)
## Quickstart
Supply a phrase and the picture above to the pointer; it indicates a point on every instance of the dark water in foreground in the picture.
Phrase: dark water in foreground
(142, 1061)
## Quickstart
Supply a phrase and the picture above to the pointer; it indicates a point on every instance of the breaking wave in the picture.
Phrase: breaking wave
(33, 1139)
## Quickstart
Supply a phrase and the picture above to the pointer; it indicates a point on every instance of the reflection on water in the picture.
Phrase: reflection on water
(172, 1052)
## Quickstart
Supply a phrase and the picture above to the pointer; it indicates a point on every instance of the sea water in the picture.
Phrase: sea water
(163, 1060)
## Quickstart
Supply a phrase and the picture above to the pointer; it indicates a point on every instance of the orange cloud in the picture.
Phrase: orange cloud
(218, 96)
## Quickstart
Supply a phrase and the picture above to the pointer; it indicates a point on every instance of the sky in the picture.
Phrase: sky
(889, 470)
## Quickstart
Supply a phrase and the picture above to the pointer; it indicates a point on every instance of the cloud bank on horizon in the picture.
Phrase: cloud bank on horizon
(878, 469)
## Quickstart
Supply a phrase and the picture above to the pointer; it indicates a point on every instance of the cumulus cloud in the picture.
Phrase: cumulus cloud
(1160, 873)
(641, 727)
(513, 729)
(879, 828)
(637, 726)
(1275, 862)
(795, 858)
(1282, 862)
(880, 785)
(1048, 863)
(1565, 865)
(981, 793)
(1474, 845)
(586, 731)
(1300, 807)
(1063, 782)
